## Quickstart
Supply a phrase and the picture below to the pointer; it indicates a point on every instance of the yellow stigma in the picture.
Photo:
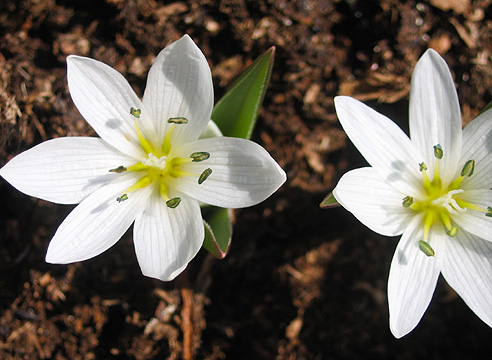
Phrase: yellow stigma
(440, 203)
(160, 166)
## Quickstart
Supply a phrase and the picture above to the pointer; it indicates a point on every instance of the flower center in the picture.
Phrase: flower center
(440, 203)
(154, 161)
(159, 167)
(448, 202)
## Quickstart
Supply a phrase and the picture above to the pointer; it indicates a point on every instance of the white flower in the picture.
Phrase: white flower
(147, 167)
(433, 188)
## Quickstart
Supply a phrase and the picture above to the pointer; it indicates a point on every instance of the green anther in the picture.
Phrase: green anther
(453, 231)
(426, 248)
(199, 156)
(173, 203)
(135, 112)
(122, 198)
(438, 153)
(407, 201)
(489, 212)
(422, 166)
(468, 168)
(119, 169)
(205, 174)
(178, 120)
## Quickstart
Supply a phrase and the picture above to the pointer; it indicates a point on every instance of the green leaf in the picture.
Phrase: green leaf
(236, 112)
(487, 107)
(218, 230)
(329, 202)
(235, 115)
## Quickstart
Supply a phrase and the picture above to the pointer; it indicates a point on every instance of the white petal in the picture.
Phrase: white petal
(104, 98)
(477, 140)
(373, 202)
(467, 267)
(97, 223)
(243, 173)
(383, 144)
(212, 130)
(64, 170)
(475, 222)
(167, 239)
(413, 278)
(435, 116)
(180, 85)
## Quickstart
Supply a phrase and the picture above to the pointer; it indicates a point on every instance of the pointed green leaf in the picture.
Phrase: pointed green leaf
(236, 112)
(218, 230)
(235, 115)
(329, 202)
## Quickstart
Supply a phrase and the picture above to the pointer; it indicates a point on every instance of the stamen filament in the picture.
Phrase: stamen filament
(177, 161)
(166, 145)
(176, 173)
(437, 179)
(163, 189)
(446, 220)
(429, 219)
(140, 184)
(455, 184)
(146, 145)
(467, 205)
(425, 177)
(138, 167)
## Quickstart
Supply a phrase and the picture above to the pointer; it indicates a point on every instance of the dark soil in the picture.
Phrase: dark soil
(302, 283)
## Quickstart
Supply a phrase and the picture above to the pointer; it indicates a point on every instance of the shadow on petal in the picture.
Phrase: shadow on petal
(114, 124)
